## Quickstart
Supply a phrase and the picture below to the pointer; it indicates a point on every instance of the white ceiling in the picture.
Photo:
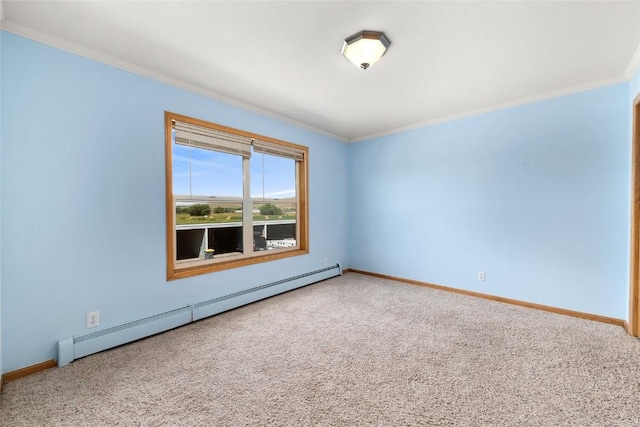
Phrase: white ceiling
(446, 60)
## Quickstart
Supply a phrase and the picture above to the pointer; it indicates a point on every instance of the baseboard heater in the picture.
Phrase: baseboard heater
(77, 346)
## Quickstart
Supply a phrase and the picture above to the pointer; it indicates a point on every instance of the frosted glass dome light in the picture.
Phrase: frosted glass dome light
(365, 48)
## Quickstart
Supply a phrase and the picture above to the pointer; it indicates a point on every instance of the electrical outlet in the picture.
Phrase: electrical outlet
(326, 262)
(93, 319)
(482, 276)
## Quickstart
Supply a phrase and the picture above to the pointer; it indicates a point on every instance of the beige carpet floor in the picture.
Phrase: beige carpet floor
(350, 351)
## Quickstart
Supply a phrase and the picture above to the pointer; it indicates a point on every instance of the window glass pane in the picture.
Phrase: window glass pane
(200, 172)
(276, 211)
(208, 230)
(189, 244)
(272, 177)
(274, 225)
(206, 213)
(225, 240)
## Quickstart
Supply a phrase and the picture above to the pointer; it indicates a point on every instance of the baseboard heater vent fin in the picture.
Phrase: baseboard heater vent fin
(82, 345)
(258, 288)
(228, 302)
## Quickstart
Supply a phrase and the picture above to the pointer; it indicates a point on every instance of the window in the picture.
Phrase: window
(233, 198)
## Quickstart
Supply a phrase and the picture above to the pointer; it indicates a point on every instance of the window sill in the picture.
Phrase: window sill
(192, 267)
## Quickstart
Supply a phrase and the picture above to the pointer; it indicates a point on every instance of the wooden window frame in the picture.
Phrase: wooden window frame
(178, 270)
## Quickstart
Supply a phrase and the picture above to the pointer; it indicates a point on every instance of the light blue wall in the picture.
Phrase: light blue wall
(536, 196)
(83, 198)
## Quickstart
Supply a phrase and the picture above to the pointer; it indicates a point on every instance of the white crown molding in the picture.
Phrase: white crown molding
(497, 107)
(633, 66)
(49, 40)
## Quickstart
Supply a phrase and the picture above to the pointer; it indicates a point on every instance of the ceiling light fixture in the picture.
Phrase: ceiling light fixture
(365, 48)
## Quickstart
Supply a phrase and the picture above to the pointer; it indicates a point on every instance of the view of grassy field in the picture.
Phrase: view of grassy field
(186, 218)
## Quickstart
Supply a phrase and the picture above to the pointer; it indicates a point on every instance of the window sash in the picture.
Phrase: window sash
(207, 199)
